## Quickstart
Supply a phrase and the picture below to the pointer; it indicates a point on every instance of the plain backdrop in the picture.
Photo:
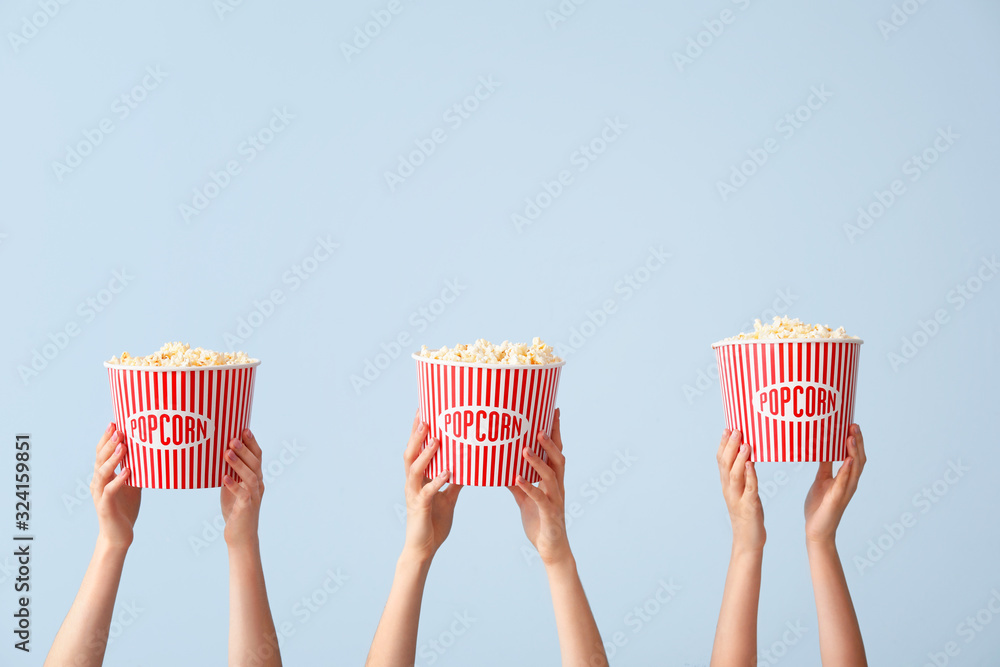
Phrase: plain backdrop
(694, 95)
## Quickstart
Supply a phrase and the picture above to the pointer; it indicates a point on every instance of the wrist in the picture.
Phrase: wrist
(413, 562)
(821, 544)
(107, 548)
(561, 564)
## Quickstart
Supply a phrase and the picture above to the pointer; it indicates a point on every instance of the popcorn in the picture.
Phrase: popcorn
(785, 328)
(182, 356)
(485, 352)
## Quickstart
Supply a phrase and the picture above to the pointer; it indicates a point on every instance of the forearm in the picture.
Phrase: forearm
(83, 636)
(395, 641)
(840, 640)
(579, 639)
(252, 639)
(736, 632)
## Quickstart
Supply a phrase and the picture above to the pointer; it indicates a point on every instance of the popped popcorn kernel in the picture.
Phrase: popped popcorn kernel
(181, 355)
(485, 352)
(784, 328)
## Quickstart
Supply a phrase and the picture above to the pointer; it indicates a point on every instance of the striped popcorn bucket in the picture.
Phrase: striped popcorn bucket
(484, 415)
(178, 421)
(793, 400)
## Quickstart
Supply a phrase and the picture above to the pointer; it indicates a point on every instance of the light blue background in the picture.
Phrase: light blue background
(335, 505)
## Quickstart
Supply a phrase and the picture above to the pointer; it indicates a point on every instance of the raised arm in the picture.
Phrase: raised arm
(736, 633)
(252, 639)
(840, 640)
(83, 636)
(429, 513)
(544, 517)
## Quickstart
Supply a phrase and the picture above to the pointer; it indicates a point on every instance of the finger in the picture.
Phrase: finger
(861, 458)
(109, 447)
(856, 468)
(250, 440)
(556, 458)
(241, 493)
(557, 429)
(840, 482)
(722, 445)
(415, 474)
(247, 456)
(532, 492)
(247, 475)
(107, 469)
(750, 490)
(433, 486)
(729, 453)
(105, 436)
(112, 487)
(539, 466)
(417, 435)
(825, 470)
(738, 473)
(519, 495)
(451, 493)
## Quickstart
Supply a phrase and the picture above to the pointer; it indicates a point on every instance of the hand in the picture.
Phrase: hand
(429, 511)
(241, 500)
(739, 487)
(543, 507)
(116, 502)
(829, 495)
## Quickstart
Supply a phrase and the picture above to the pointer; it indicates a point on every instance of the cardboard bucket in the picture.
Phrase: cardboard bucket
(484, 415)
(177, 422)
(793, 400)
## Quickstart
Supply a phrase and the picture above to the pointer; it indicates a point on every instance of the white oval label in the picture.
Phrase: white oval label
(797, 401)
(169, 429)
(482, 426)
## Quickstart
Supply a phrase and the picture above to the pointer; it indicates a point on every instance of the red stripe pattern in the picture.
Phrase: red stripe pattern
(792, 400)
(178, 421)
(484, 416)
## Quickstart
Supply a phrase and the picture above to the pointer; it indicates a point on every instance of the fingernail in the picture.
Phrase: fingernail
(110, 428)
(528, 452)
(117, 436)
(247, 433)
(444, 474)
(118, 449)
(744, 447)
(421, 426)
(226, 479)
(747, 464)
(237, 444)
(231, 455)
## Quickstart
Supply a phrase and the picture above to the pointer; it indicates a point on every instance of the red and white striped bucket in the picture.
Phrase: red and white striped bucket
(484, 415)
(793, 400)
(177, 422)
